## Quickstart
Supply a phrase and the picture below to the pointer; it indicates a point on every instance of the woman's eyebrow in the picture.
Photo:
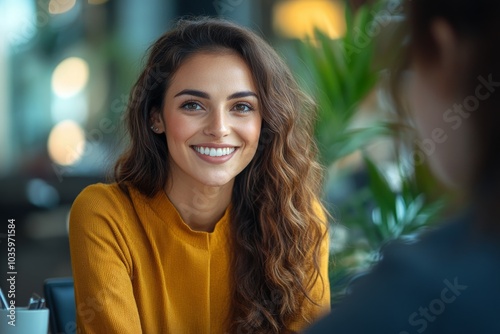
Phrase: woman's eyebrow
(193, 92)
(239, 95)
(204, 95)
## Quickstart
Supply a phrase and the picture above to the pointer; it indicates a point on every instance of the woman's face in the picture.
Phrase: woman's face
(211, 118)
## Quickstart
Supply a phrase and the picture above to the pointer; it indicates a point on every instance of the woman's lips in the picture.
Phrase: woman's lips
(215, 155)
(214, 151)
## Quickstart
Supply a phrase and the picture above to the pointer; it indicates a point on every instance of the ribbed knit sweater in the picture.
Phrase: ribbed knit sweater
(138, 268)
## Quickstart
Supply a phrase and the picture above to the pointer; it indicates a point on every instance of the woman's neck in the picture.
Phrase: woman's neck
(200, 206)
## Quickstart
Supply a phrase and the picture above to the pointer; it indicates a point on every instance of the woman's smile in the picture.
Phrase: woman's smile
(215, 155)
(214, 152)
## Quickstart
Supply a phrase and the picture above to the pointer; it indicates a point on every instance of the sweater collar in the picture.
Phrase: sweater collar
(164, 216)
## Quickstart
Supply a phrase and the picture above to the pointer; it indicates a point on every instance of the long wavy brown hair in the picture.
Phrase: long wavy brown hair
(276, 222)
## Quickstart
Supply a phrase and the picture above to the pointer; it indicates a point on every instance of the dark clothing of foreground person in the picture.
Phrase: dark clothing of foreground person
(436, 285)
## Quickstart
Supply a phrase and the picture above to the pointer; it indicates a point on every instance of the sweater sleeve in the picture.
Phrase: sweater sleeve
(102, 266)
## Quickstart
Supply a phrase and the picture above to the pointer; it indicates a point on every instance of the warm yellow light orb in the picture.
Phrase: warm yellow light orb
(61, 6)
(66, 143)
(70, 77)
(299, 18)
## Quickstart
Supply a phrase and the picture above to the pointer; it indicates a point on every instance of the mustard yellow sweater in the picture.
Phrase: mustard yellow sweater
(138, 268)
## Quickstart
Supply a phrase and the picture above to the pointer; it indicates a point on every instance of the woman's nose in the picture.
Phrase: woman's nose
(217, 125)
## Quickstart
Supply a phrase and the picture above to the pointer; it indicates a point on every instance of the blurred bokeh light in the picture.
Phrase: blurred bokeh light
(61, 6)
(66, 143)
(70, 77)
(299, 18)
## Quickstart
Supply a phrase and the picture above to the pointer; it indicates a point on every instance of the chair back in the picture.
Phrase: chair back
(60, 298)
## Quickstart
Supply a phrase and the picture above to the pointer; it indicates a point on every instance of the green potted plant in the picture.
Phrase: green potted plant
(370, 205)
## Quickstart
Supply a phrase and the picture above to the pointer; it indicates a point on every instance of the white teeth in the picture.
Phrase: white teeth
(214, 152)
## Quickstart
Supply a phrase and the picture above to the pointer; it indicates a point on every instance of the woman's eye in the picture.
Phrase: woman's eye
(191, 106)
(242, 107)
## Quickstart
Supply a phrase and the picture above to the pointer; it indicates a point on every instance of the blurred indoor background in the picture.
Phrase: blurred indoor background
(66, 69)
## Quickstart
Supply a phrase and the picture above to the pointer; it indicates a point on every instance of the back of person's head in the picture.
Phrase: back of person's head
(462, 37)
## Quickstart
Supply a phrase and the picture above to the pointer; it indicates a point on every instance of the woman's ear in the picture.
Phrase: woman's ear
(450, 52)
(156, 121)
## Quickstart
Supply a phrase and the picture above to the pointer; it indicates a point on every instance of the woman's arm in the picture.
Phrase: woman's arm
(102, 266)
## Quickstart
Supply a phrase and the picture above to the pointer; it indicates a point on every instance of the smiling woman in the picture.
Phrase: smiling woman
(212, 123)
(214, 223)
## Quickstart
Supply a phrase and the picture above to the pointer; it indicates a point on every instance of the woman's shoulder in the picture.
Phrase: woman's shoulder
(99, 193)
(100, 197)
(100, 209)
(102, 189)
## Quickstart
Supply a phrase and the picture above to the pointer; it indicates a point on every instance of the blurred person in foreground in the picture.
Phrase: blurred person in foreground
(213, 223)
(448, 282)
